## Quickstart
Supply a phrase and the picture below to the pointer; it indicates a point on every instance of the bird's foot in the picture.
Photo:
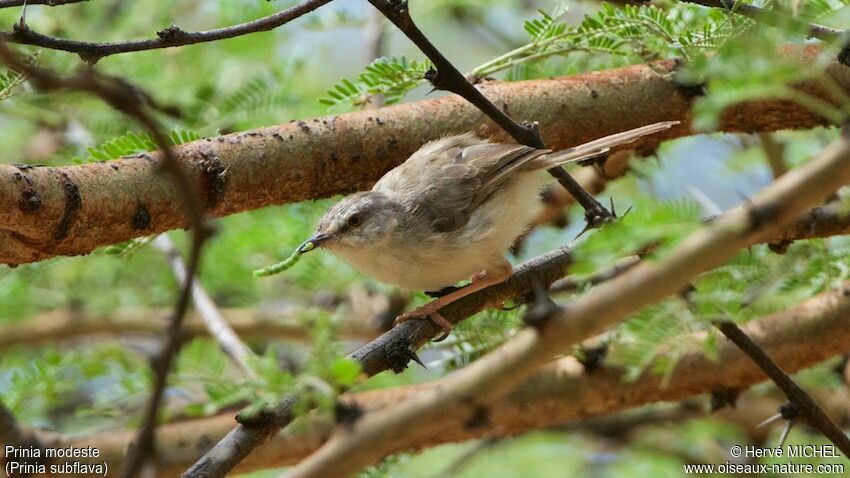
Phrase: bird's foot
(428, 311)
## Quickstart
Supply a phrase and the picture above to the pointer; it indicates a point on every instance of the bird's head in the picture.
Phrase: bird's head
(361, 219)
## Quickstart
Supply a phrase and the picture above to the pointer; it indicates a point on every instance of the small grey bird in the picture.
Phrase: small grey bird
(449, 213)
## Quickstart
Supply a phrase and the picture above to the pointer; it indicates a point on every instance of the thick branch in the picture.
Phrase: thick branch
(302, 160)
(166, 38)
(559, 393)
(250, 324)
(470, 392)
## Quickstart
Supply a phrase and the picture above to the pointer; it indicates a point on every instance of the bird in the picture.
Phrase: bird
(449, 213)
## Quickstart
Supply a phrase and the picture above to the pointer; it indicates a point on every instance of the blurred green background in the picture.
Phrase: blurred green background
(100, 383)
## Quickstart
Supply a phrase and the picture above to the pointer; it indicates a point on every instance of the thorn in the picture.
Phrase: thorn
(22, 22)
(543, 307)
(412, 355)
(770, 420)
(786, 430)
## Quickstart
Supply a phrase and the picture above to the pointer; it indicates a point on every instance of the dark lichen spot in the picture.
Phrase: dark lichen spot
(172, 34)
(779, 247)
(763, 215)
(253, 133)
(594, 94)
(30, 200)
(379, 121)
(592, 358)
(141, 218)
(18, 176)
(73, 203)
(114, 166)
(347, 413)
(480, 418)
(203, 444)
(398, 353)
(277, 136)
(215, 177)
(304, 127)
(724, 397)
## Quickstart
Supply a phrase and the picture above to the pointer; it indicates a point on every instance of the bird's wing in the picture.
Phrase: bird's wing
(446, 180)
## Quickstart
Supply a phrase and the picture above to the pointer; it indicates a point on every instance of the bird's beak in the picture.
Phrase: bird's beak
(317, 240)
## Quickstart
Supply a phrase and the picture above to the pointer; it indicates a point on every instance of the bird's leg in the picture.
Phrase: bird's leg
(479, 281)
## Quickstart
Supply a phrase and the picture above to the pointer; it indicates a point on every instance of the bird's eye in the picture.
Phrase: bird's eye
(355, 220)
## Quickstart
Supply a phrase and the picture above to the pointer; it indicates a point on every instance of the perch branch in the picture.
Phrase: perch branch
(556, 329)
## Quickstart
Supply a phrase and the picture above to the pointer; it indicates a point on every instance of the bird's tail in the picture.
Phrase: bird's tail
(603, 145)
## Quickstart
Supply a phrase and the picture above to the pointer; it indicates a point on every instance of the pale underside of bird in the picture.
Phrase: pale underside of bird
(450, 213)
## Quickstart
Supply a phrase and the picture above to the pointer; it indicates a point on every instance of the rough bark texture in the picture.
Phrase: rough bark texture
(48, 211)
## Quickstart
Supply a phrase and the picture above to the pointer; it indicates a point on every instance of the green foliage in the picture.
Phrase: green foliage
(9, 82)
(648, 225)
(547, 26)
(126, 248)
(391, 77)
(655, 337)
(135, 143)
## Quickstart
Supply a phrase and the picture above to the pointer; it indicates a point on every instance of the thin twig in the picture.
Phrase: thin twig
(448, 78)
(49, 3)
(774, 154)
(129, 100)
(815, 30)
(375, 40)
(215, 322)
(166, 38)
(572, 284)
(798, 397)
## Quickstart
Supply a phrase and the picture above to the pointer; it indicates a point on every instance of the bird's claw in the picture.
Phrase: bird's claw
(427, 312)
